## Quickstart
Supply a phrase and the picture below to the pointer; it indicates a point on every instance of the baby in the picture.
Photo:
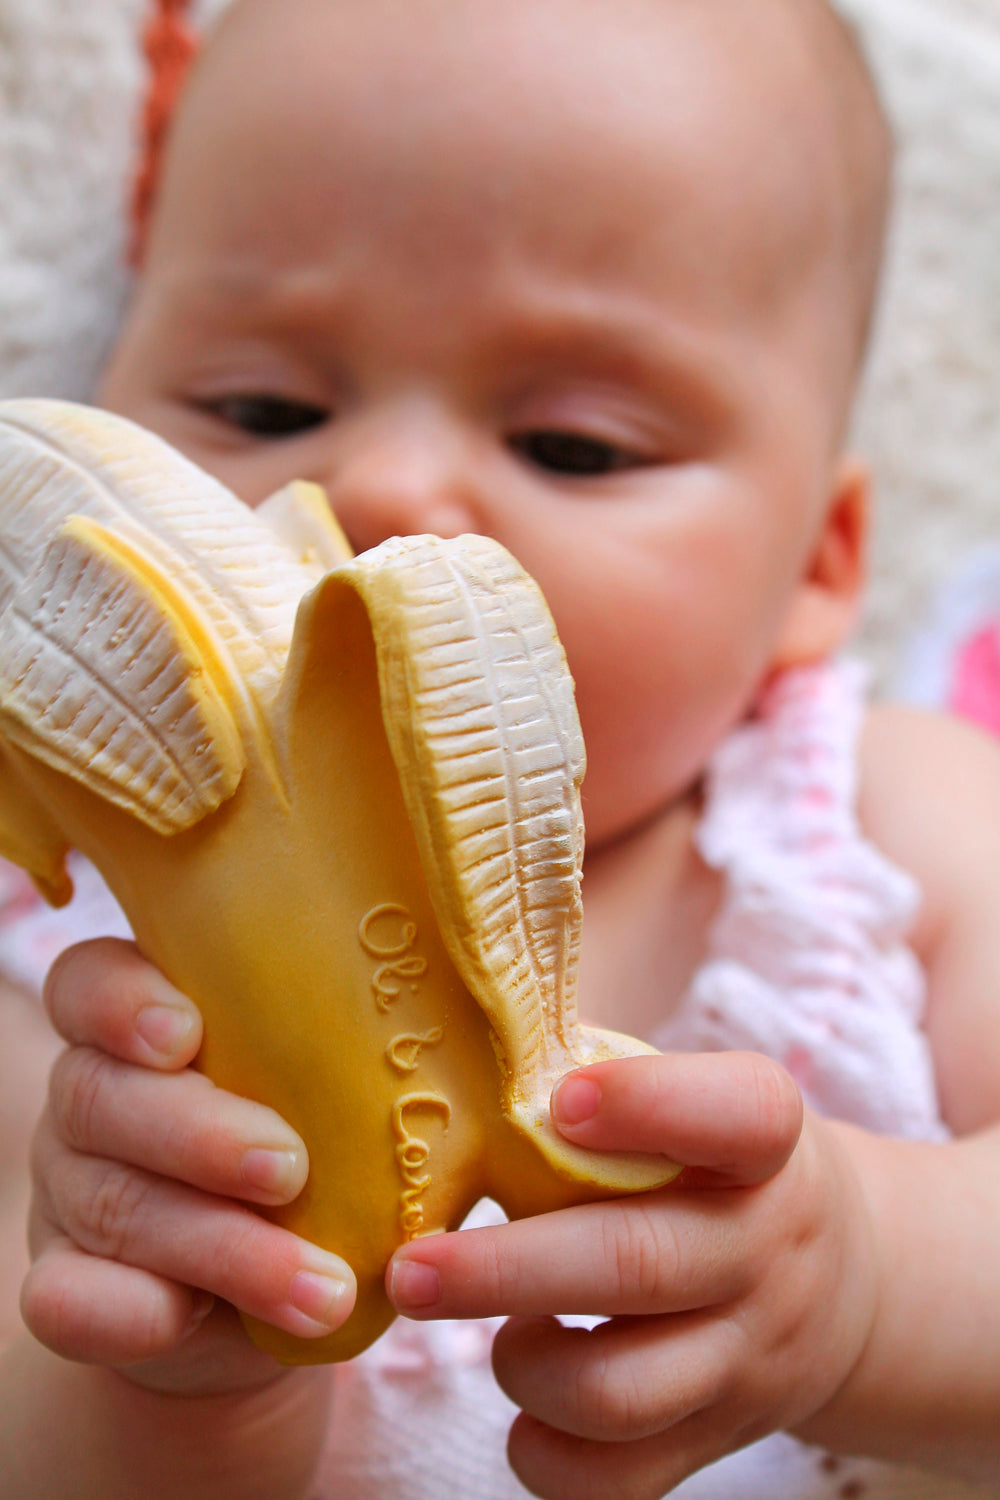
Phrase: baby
(594, 279)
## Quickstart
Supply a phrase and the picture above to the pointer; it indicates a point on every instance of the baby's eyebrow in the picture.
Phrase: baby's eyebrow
(554, 329)
(618, 341)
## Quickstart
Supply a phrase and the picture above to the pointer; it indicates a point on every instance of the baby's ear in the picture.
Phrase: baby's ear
(824, 608)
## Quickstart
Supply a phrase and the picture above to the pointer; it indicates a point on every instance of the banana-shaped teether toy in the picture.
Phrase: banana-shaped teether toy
(338, 800)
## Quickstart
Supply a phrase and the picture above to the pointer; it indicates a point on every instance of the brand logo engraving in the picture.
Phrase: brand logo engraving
(412, 1154)
(388, 932)
(389, 935)
(404, 1050)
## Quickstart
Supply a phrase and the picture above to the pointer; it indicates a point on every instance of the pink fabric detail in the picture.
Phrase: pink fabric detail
(33, 934)
(808, 959)
(975, 689)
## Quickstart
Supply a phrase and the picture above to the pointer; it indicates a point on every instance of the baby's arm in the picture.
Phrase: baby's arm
(930, 799)
(832, 1283)
(928, 1384)
(142, 1172)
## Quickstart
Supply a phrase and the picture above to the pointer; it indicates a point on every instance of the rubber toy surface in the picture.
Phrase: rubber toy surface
(338, 800)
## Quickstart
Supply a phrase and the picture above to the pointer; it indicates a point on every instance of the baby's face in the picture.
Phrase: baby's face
(474, 271)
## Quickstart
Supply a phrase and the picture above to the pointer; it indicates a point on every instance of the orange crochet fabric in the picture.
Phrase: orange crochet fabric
(170, 46)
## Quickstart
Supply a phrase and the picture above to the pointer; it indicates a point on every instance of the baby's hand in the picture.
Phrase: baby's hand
(739, 1298)
(142, 1173)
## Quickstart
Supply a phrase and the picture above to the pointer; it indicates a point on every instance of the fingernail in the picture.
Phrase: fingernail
(318, 1299)
(164, 1028)
(575, 1099)
(272, 1173)
(413, 1284)
(202, 1304)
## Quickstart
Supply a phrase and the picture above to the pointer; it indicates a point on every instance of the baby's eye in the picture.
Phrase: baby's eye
(267, 416)
(572, 453)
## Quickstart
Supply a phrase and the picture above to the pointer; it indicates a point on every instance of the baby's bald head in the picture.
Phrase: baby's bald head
(864, 143)
(796, 74)
(830, 146)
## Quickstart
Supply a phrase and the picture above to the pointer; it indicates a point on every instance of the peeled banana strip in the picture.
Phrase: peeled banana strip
(60, 460)
(481, 720)
(356, 843)
(107, 674)
(300, 515)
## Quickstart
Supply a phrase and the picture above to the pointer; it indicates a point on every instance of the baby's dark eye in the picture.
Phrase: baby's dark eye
(267, 416)
(571, 453)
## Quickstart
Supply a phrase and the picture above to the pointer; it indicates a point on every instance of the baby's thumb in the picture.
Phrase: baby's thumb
(730, 1117)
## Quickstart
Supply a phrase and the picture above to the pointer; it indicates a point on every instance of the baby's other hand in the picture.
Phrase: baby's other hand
(141, 1237)
(739, 1298)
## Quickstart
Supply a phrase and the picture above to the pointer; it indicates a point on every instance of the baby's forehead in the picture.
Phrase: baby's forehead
(718, 135)
(776, 42)
(726, 90)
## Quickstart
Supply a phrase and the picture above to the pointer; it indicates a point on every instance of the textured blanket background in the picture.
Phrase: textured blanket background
(929, 418)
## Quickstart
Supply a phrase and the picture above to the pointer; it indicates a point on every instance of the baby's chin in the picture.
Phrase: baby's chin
(612, 821)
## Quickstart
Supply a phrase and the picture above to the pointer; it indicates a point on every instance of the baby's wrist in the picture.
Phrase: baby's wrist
(264, 1435)
(853, 1160)
(92, 1431)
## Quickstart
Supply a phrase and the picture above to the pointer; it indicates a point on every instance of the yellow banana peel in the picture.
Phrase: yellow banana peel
(338, 800)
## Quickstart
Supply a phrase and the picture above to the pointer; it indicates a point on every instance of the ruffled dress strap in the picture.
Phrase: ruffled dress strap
(808, 956)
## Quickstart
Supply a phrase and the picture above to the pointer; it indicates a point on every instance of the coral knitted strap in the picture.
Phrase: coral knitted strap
(170, 46)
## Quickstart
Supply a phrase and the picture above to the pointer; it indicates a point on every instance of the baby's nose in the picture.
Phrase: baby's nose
(406, 478)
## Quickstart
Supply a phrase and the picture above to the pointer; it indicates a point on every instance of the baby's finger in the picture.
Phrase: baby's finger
(120, 1213)
(98, 1312)
(177, 1125)
(621, 1381)
(104, 994)
(735, 1115)
(556, 1465)
(665, 1252)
